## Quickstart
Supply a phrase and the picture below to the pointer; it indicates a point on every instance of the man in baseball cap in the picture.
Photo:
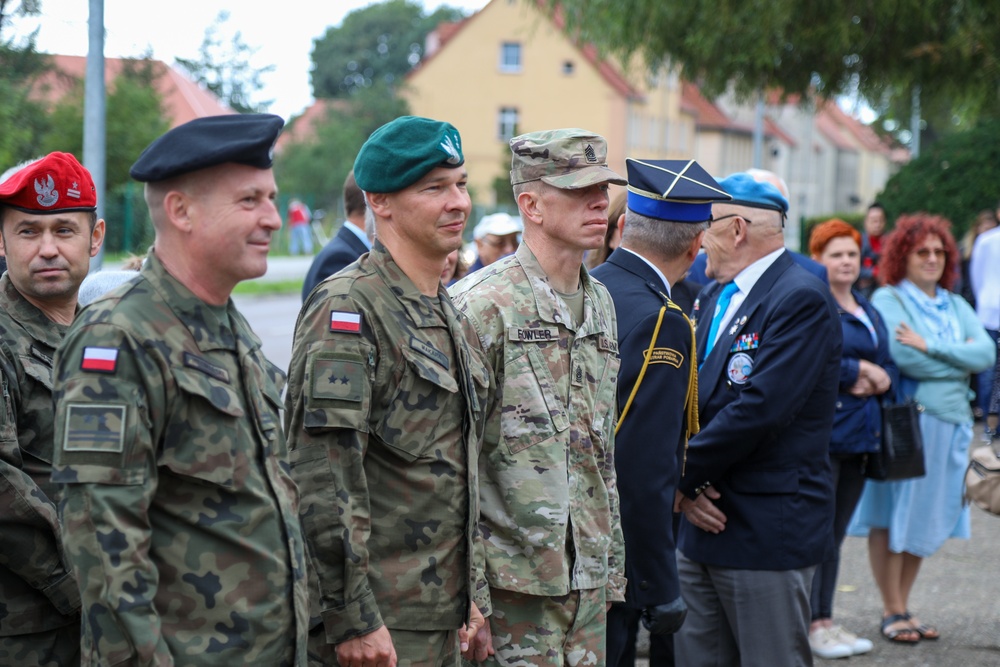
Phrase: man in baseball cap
(550, 516)
(496, 236)
(48, 231)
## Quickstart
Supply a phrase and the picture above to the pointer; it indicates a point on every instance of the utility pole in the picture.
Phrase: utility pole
(94, 154)
(915, 124)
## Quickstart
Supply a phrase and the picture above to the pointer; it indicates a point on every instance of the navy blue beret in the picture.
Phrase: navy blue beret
(756, 194)
(403, 151)
(206, 142)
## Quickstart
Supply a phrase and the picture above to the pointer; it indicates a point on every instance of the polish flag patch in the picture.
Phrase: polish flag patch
(101, 359)
(345, 322)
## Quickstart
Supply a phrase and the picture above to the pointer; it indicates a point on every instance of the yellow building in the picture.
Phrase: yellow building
(510, 69)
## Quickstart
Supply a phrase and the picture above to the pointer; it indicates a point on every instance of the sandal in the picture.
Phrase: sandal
(902, 635)
(928, 632)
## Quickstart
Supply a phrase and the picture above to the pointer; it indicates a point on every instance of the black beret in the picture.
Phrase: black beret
(206, 142)
(403, 151)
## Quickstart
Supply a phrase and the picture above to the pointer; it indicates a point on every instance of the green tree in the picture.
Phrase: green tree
(22, 119)
(223, 66)
(134, 118)
(376, 44)
(957, 177)
(315, 169)
(947, 47)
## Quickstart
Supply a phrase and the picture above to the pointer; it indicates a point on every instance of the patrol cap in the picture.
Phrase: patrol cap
(403, 151)
(56, 183)
(674, 190)
(497, 224)
(746, 191)
(568, 159)
(206, 142)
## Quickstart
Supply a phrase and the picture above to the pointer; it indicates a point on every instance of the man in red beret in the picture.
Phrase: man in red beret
(48, 232)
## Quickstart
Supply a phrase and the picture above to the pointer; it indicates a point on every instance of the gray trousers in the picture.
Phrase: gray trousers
(744, 618)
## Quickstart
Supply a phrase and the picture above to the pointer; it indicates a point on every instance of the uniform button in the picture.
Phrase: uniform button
(839, 405)
(644, 585)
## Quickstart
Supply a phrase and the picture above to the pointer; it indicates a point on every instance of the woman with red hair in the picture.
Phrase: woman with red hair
(866, 374)
(937, 343)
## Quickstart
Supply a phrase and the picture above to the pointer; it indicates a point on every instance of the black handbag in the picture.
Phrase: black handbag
(902, 452)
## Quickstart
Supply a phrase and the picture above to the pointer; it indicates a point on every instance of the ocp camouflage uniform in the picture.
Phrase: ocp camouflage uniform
(179, 514)
(384, 413)
(39, 599)
(550, 517)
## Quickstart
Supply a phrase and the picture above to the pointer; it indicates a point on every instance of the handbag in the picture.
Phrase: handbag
(901, 455)
(982, 478)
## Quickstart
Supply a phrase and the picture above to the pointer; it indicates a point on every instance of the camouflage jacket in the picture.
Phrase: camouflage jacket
(37, 588)
(178, 512)
(550, 515)
(384, 413)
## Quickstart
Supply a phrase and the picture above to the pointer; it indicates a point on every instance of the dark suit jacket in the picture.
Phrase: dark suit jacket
(343, 249)
(697, 271)
(651, 439)
(767, 394)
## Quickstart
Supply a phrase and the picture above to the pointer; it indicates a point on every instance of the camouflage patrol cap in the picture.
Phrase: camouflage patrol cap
(403, 151)
(568, 159)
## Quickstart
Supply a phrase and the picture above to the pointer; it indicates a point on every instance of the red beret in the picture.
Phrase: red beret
(57, 183)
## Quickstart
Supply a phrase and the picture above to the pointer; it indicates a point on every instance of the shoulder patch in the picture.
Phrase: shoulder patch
(99, 359)
(95, 428)
(607, 344)
(664, 355)
(345, 322)
(206, 367)
(338, 379)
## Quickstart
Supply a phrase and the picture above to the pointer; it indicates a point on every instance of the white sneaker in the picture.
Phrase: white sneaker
(825, 644)
(859, 645)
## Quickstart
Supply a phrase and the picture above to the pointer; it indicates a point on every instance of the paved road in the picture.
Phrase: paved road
(958, 589)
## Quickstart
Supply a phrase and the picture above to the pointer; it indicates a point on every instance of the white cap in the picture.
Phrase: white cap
(497, 224)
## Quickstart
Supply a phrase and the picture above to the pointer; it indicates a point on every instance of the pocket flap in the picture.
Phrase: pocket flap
(222, 397)
(429, 370)
(38, 370)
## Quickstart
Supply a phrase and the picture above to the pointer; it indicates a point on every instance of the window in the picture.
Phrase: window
(568, 67)
(510, 57)
(506, 123)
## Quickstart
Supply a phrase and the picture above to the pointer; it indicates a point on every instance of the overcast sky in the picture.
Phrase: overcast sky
(176, 29)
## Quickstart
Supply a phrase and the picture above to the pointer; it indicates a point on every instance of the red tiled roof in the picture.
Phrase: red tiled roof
(183, 99)
(303, 127)
(711, 117)
(832, 130)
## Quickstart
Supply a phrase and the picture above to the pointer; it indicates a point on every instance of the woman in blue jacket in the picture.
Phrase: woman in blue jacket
(867, 374)
(937, 341)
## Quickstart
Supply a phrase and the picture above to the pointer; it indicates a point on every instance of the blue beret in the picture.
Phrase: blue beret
(756, 194)
(403, 151)
(674, 190)
(206, 142)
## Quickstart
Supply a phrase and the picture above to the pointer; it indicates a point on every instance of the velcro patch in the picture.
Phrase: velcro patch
(338, 379)
(344, 322)
(206, 367)
(429, 351)
(533, 334)
(606, 344)
(664, 355)
(99, 359)
(95, 428)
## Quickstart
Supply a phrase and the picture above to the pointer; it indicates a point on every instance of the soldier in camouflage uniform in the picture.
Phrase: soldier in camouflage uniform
(384, 413)
(178, 512)
(49, 233)
(550, 518)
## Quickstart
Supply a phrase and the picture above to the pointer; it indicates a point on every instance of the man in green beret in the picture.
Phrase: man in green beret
(550, 518)
(384, 414)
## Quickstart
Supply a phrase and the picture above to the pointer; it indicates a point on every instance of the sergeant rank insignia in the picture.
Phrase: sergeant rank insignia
(99, 359)
(343, 322)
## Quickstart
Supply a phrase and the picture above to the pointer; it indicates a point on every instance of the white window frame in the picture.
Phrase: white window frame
(507, 65)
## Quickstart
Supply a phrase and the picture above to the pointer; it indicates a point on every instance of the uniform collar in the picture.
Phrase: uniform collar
(34, 321)
(423, 311)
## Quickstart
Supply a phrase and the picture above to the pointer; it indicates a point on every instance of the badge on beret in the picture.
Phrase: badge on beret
(740, 367)
(99, 359)
(344, 322)
(451, 149)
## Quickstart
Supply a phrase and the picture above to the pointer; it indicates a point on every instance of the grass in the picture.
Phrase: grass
(264, 287)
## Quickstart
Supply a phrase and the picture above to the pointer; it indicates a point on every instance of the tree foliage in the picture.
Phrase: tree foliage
(951, 48)
(22, 120)
(377, 44)
(315, 169)
(134, 118)
(223, 66)
(956, 178)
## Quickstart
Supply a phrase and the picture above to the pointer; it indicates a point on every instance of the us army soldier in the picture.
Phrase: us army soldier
(179, 515)
(48, 231)
(550, 518)
(384, 413)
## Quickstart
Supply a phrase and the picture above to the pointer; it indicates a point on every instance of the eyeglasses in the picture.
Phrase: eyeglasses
(924, 253)
(712, 221)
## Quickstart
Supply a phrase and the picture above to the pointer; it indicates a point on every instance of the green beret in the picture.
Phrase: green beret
(403, 151)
